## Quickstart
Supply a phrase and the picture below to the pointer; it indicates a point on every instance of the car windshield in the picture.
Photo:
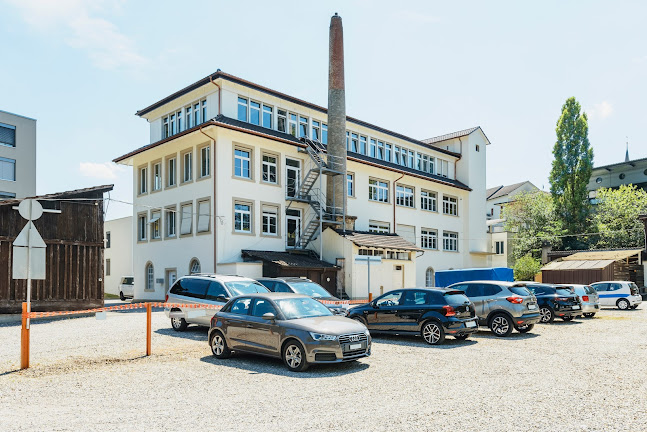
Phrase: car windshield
(455, 298)
(310, 289)
(522, 291)
(245, 287)
(302, 307)
(564, 291)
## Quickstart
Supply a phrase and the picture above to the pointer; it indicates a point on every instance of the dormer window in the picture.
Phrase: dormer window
(254, 113)
(242, 109)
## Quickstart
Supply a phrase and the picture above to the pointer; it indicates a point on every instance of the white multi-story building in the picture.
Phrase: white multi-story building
(234, 168)
(17, 156)
(118, 252)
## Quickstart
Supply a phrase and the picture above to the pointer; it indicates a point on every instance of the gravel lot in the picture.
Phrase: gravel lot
(85, 374)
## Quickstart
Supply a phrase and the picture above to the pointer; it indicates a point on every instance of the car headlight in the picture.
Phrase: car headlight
(322, 337)
(367, 333)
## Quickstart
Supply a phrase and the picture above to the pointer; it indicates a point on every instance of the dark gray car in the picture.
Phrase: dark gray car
(294, 327)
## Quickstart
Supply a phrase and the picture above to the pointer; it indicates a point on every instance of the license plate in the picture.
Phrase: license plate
(470, 324)
(532, 306)
(352, 347)
(576, 307)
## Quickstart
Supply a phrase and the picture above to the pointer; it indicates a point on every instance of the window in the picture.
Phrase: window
(362, 145)
(254, 113)
(186, 219)
(404, 152)
(387, 152)
(240, 306)
(155, 225)
(378, 190)
(242, 163)
(205, 161)
(396, 155)
(303, 126)
(261, 307)
(429, 278)
(196, 113)
(425, 163)
(407, 232)
(171, 172)
(157, 176)
(324, 133)
(354, 142)
(428, 238)
(204, 111)
(450, 241)
(165, 128)
(372, 148)
(242, 218)
(350, 187)
(431, 167)
(292, 124)
(150, 277)
(267, 116)
(316, 130)
(179, 121)
(7, 135)
(411, 157)
(380, 150)
(242, 109)
(107, 239)
(281, 120)
(450, 206)
(141, 227)
(270, 169)
(390, 300)
(478, 149)
(187, 168)
(270, 220)
(108, 267)
(216, 292)
(7, 195)
(443, 168)
(204, 216)
(418, 161)
(188, 120)
(404, 196)
(499, 247)
(143, 180)
(172, 124)
(379, 227)
(195, 267)
(428, 200)
(170, 222)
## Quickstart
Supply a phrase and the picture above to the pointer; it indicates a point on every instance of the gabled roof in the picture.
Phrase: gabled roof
(578, 265)
(287, 259)
(457, 134)
(603, 255)
(77, 193)
(499, 191)
(376, 240)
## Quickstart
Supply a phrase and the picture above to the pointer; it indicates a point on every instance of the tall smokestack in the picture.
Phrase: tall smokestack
(336, 115)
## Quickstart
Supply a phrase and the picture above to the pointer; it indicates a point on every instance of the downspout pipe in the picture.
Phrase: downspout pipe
(394, 200)
(215, 201)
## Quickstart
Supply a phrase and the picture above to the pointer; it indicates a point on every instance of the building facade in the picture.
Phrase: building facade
(17, 156)
(232, 165)
(118, 252)
(615, 175)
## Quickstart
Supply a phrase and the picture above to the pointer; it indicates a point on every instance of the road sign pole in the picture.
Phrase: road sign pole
(24, 339)
(369, 276)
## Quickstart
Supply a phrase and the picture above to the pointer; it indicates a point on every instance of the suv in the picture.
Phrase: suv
(501, 306)
(126, 287)
(623, 294)
(207, 289)
(431, 313)
(556, 301)
(304, 286)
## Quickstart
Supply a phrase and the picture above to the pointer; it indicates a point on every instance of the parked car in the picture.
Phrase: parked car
(294, 327)
(623, 294)
(501, 306)
(589, 299)
(431, 313)
(556, 301)
(126, 287)
(304, 286)
(207, 289)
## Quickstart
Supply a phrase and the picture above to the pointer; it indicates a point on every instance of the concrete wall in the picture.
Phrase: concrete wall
(24, 153)
(120, 253)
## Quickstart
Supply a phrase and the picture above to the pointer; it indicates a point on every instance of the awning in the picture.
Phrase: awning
(380, 241)
(287, 259)
(578, 265)
(603, 255)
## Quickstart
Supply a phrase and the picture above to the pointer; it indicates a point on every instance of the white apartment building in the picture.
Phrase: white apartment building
(118, 252)
(17, 156)
(233, 166)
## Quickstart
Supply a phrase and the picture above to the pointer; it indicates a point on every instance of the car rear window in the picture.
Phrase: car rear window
(196, 288)
(522, 291)
(454, 298)
(127, 281)
(589, 289)
(564, 291)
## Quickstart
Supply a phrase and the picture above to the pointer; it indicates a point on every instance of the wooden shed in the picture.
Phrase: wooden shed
(74, 254)
(586, 267)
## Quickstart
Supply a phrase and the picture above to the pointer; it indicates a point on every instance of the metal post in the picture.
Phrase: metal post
(369, 275)
(148, 328)
(24, 339)
(321, 204)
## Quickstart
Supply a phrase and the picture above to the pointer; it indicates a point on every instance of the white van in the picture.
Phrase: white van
(126, 287)
(622, 294)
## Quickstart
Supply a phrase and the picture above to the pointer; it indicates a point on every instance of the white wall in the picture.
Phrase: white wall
(120, 252)
(24, 153)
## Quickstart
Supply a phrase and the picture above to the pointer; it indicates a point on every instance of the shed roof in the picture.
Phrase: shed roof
(603, 255)
(287, 259)
(76, 193)
(578, 265)
(377, 240)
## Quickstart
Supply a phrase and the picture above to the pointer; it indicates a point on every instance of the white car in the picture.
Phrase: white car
(622, 294)
(589, 298)
(126, 287)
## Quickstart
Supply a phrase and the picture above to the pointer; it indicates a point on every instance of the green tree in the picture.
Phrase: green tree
(571, 170)
(530, 217)
(526, 268)
(616, 217)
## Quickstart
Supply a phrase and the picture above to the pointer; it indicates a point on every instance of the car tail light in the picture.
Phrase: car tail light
(515, 300)
(561, 299)
(166, 299)
(449, 311)
(585, 298)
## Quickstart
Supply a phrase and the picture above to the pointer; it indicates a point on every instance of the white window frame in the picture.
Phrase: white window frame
(171, 173)
(157, 176)
(186, 219)
(429, 201)
(267, 109)
(258, 108)
(187, 167)
(143, 180)
(267, 167)
(379, 189)
(244, 213)
(428, 238)
(303, 123)
(246, 105)
(203, 216)
(450, 241)
(405, 196)
(316, 130)
(150, 277)
(379, 227)
(170, 222)
(142, 227)
(350, 182)
(205, 161)
(155, 224)
(270, 213)
(282, 114)
(242, 160)
(450, 205)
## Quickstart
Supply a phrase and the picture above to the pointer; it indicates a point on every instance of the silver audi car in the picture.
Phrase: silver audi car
(293, 327)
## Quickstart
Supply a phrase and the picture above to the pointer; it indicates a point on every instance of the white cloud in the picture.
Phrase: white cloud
(600, 111)
(82, 27)
(103, 171)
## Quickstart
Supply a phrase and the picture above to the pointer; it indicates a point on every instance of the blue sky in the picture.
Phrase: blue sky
(83, 67)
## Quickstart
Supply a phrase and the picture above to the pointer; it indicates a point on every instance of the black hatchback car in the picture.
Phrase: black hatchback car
(431, 313)
(556, 301)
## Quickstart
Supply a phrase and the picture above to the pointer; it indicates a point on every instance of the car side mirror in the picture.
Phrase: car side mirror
(222, 298)
(269, 316)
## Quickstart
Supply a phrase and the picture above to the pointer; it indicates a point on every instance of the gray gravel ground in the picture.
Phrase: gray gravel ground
(85, 374)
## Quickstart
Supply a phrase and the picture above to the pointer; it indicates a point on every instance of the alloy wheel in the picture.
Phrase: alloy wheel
(217, 345)
(431, 333)
(500, 325)
(623, 304)
(546, 315)
(177, 322)
(293, 356)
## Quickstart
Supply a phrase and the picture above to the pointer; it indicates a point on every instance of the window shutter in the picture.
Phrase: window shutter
(407, 232)
(8, 136)
(185, 225)
(203, 216)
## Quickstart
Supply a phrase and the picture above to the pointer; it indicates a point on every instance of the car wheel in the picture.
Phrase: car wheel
(567, 318)
(179, 324)
(433, 333)
(623, 304)
(547, 314)
(294, 356)
(501, 325)
(461, 337)
(219, 346)
(525, 328)
(359, 319)
(121, 296)
(589, 315)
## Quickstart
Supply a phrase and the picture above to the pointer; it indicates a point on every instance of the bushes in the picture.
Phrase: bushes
(526, 267)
